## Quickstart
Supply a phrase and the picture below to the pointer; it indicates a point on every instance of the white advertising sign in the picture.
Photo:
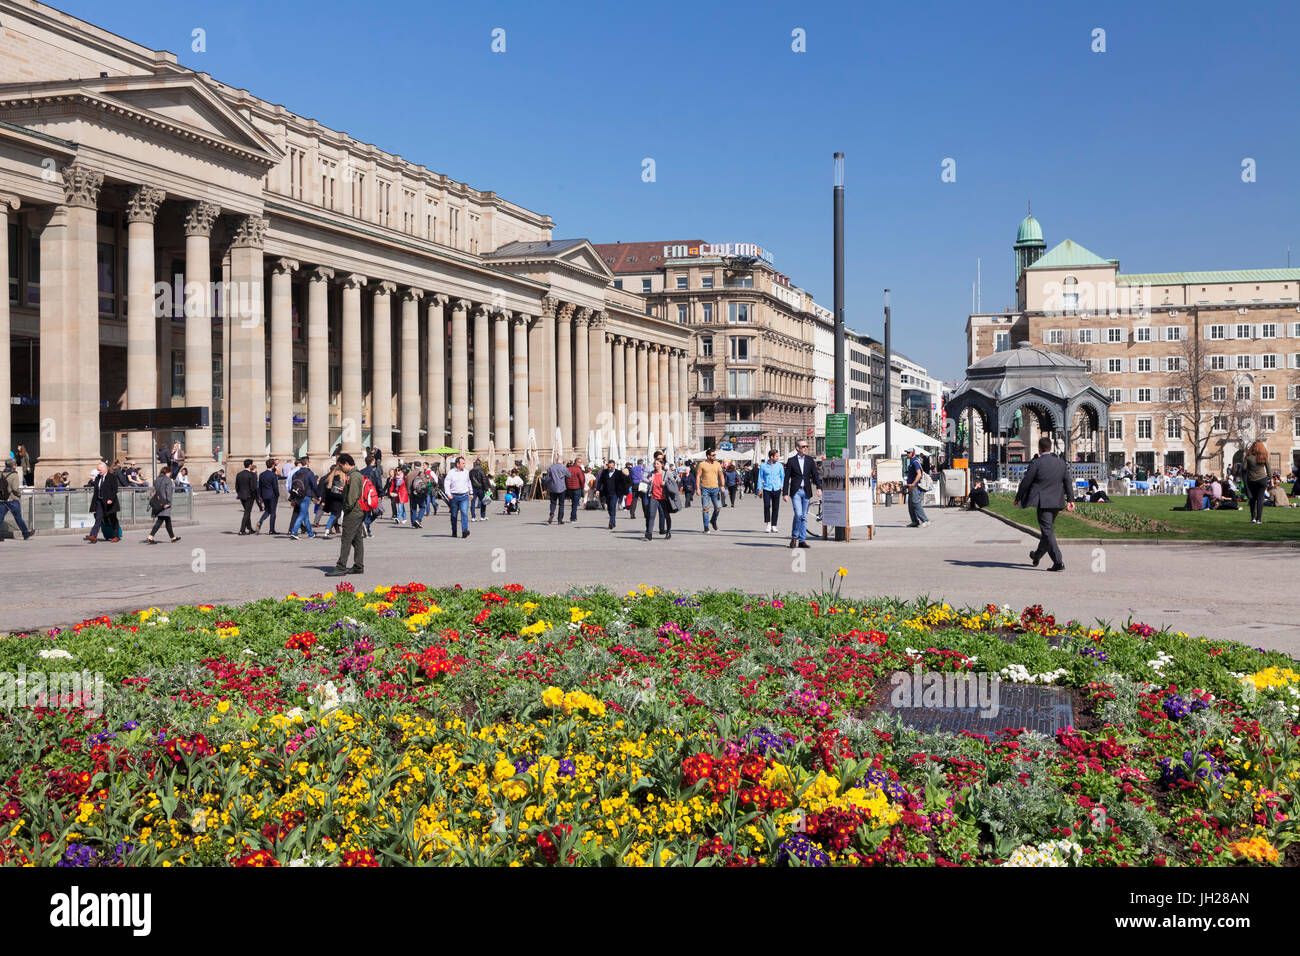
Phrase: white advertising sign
(846, 493)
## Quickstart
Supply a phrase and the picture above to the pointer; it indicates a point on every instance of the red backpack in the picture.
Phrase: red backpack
(369, 499)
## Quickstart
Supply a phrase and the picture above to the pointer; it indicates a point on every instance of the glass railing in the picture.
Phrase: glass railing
(75, 508)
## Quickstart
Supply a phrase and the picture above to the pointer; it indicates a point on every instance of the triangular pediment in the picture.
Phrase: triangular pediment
(585, 257)
(181, 104)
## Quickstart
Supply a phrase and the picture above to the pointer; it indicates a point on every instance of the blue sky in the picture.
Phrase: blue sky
(1135, 152)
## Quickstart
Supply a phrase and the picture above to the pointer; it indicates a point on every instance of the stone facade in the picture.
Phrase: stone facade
(170, 240)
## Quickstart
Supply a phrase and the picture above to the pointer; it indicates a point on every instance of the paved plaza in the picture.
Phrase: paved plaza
(962, 557)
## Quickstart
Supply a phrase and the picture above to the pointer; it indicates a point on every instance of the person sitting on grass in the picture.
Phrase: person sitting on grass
(1195, 496)
(1277, 494)
(1096, 493)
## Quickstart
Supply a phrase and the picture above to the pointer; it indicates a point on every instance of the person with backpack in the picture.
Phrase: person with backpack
(398, 494)
(10, 502)
(160, 506)
(359, 498)
(332, 498)
(478, 481)
(419, 491)
(918, 483)
(303, 490)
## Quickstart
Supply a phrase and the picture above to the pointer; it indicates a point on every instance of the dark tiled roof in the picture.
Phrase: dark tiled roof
(638, 256)
(544, 247)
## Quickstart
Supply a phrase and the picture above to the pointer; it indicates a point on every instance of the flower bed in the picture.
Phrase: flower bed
(513, 728)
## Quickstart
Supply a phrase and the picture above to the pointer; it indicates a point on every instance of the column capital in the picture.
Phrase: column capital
(481, 309)
(565, 312)
(615, 339)
(8, 201)
(81, 185)
(640, 345)
(412, 295)
(142, 203)
(353, 280)
(320, 274)
(460, 305)
(549, 303)
(520, 318)
(438, 300)
(200, 217)
(384, 287)
(284, 266)
(583, 316)
(599, 319)
(249, 233)
(502, 315)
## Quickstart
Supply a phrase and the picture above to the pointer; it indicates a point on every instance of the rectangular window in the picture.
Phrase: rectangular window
(1217, 331)
(1220, 423)
(1115, 394)
(1143, 365)
(681, 282)
(1142, 395)
(738, 282)
(1056, 336)
(1219, 393)
(1115, 429)
(431, 225)
(1243, 332)
(106, 261)
(1114, 365)
(178, 374)
(618, 283)
(706, 281)
(1267, 393)
(645, 285)
(706, 346)
(1173, 427)
(359, 195)
(738, 312)
(738, 383)
(218, 380)
(336, 379)
(706, 380)
(1243, 361)
(1268, 330)
(739, 349)
(1173, 333)
(1001, 341)
(1243, 393)
(1144, 429)
(300, 381)
(1142, 333)
(1268, 361)
(1268, 423)
(328, 181)
(1218, 362)
(1085, 337)
(683, 314)
(1295, 427)
(33, 267)
(1114, 335)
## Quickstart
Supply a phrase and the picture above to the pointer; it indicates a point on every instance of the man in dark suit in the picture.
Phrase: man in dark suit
(801, 476)
(611, 488)
(1046, 486)
(246, 491)
(268, 488)
(105, 487)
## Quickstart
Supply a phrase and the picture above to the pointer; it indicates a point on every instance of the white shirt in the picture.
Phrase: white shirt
(457, 482)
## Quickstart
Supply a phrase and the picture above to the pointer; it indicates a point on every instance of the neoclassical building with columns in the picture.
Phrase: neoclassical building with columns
(170, 240)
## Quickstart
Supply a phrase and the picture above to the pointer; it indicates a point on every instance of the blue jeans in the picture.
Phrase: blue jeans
(13, 507)
(915, 510)
(400, 511)
(708, 495)
(611, 502)
(334, 519)
(302, 517)
(799, 504)
(480, 502)
(460, 507)
(575, 496)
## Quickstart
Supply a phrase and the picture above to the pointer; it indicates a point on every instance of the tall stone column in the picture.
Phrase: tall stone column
(247, 342)
(520, 325)
(673, 412)
(482, 380)
(620, 389)
(199, 219)
(142, 203)
(630, 390)
(459, 375)
(381, 367)
(501, 381)
(282, 444)
(350, 408)
(69, 411)
(564, 374)
(8, 202)
(435, 385)
(318, 365)
(643, 396)
(654, 425)
(541, 375)
(664, 417)
(581, 379)
(684, 397)
(409, 405)
(600, 398)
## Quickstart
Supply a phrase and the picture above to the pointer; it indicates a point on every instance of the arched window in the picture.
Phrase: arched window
(1070, 294)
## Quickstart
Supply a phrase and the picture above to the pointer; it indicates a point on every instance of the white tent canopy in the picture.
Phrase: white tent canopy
(900, 436)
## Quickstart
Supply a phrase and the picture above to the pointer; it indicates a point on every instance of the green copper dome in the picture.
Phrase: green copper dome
(1031, 233)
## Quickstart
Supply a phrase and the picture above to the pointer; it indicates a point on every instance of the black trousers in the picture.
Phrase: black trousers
(1258, 492)
(246, 526)
(158, 522)
(1047, 543)
(269, 508)
(352, 538)
(771, 506)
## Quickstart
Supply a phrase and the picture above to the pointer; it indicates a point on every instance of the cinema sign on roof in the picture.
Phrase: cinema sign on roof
(722, 249)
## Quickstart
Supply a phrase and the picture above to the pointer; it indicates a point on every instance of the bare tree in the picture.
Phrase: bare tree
(1190, 396)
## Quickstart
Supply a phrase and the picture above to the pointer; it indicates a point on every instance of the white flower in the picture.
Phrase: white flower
(112, 650)
(249, 651)
(55, 653)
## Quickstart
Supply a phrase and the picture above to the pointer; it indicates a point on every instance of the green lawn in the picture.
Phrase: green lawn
(1280, 524)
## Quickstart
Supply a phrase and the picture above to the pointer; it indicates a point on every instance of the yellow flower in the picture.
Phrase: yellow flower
(843, 572)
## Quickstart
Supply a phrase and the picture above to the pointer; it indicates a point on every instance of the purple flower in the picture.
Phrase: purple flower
(78, 854)
(567, 768)
(799, 847)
